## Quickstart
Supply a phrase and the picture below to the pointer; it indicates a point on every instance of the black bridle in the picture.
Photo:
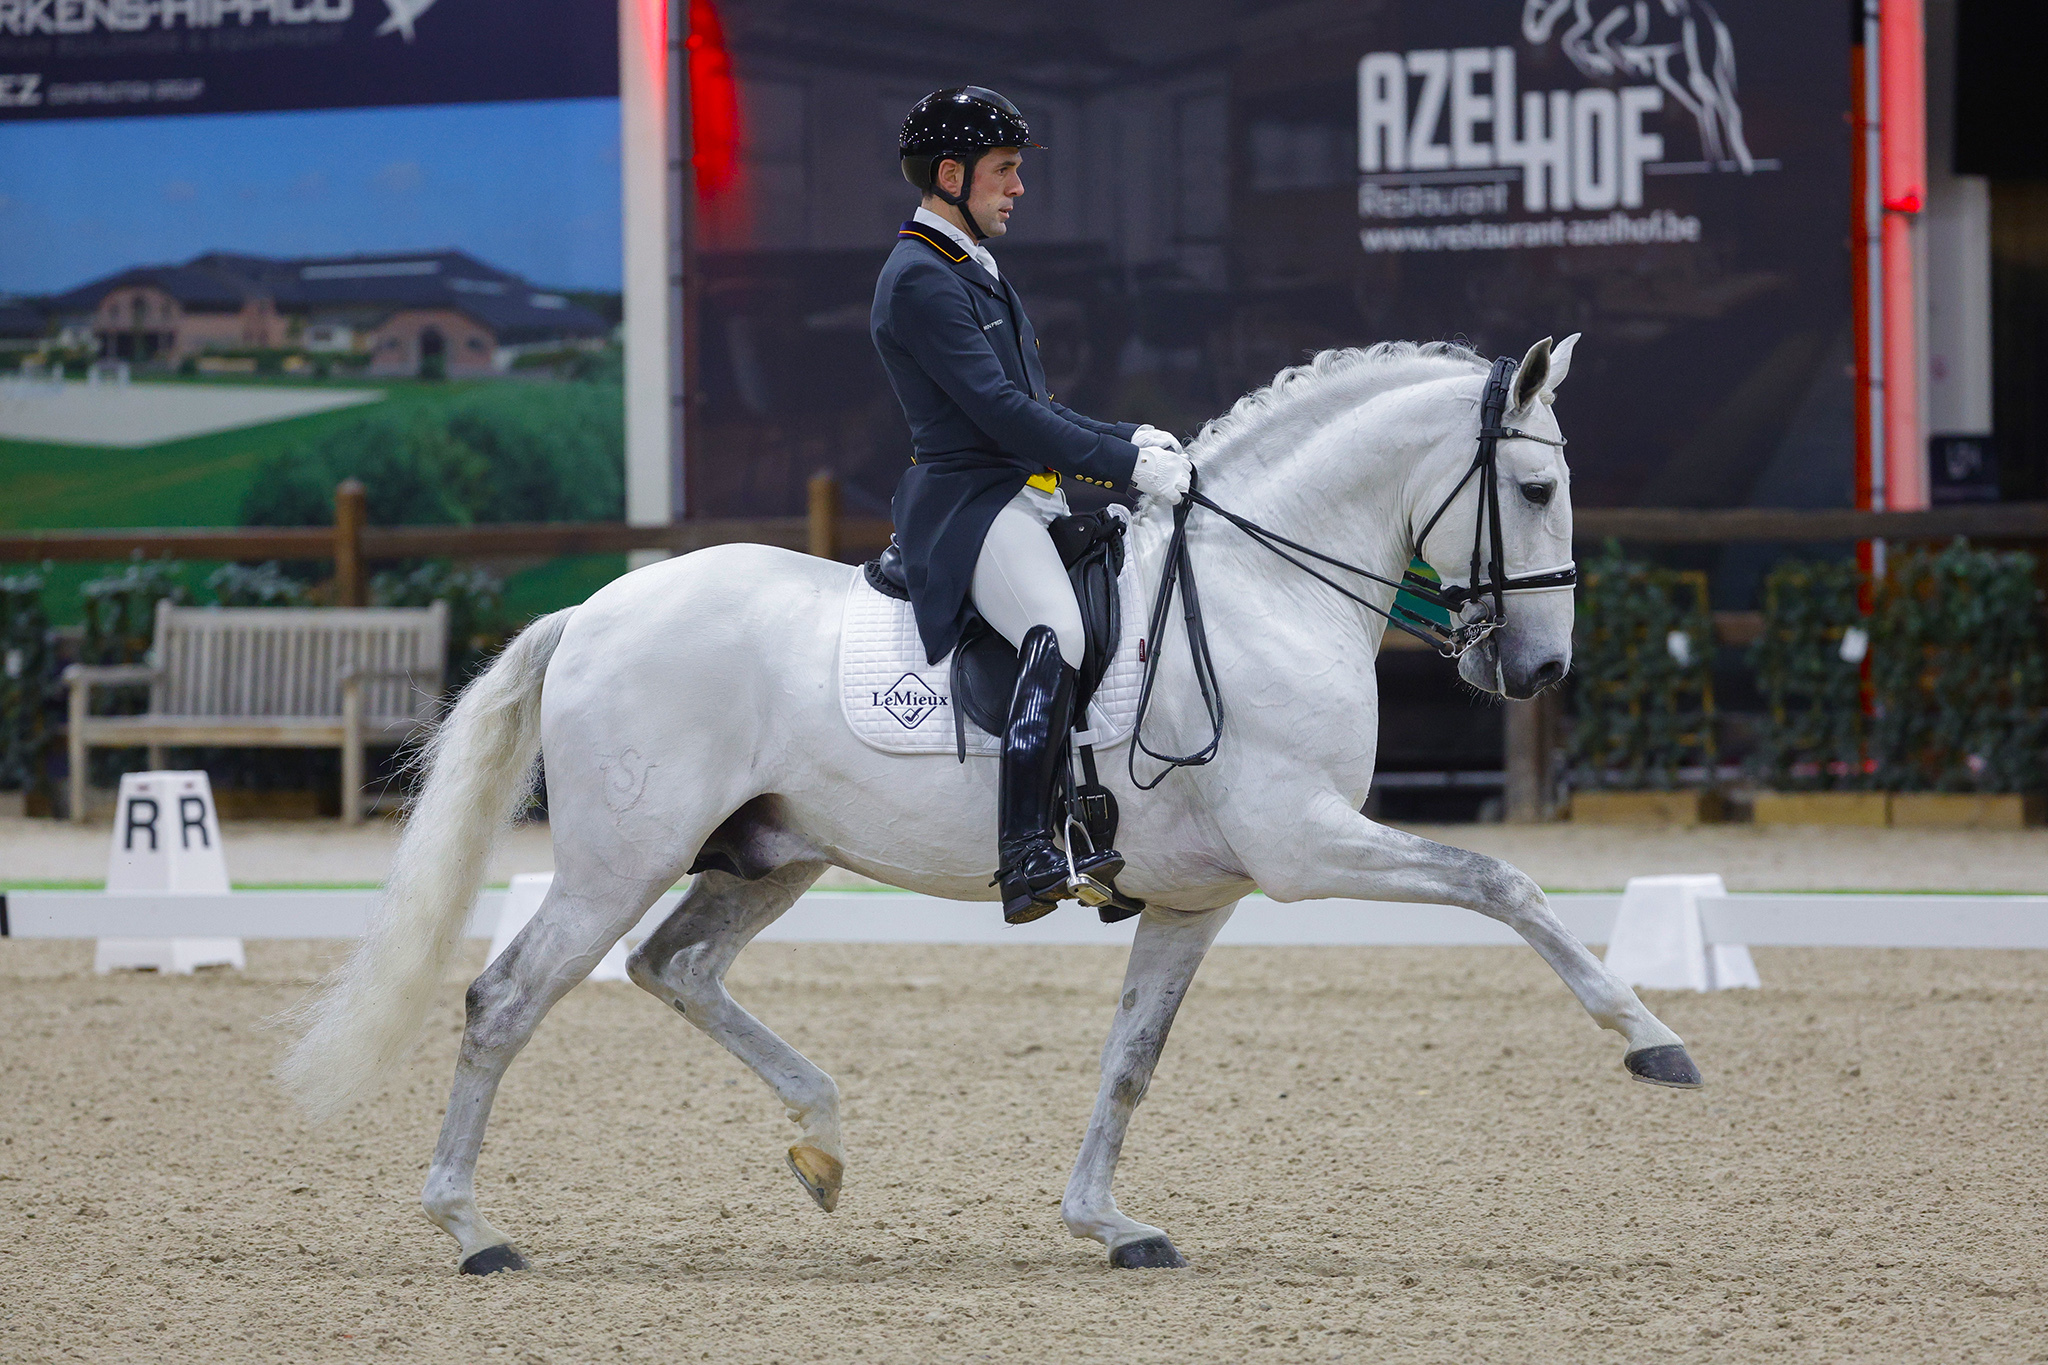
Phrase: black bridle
(1476, 609)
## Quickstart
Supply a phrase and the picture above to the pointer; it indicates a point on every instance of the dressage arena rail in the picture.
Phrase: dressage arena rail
(351, 542)
(1845, 920)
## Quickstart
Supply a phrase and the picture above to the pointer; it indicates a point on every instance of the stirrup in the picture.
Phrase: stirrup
(1081, 886)
(1086, 889)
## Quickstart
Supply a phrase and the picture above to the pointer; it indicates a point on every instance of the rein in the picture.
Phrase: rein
(1478, 608)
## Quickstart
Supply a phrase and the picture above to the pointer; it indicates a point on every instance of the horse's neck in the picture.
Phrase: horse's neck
(1300, 499)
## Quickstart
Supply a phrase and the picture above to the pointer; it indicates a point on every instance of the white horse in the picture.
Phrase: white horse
(692, 705)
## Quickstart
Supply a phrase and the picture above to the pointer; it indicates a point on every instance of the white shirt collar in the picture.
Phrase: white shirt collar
(982, 255)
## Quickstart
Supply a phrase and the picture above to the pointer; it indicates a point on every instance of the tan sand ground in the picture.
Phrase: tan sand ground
(1562, 857)
(1408, 1154)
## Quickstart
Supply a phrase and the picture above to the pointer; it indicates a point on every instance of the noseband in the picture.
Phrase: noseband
(1477, 608)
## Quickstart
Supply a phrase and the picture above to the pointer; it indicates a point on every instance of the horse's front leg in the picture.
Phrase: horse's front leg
(1339, 852)
(1168, 948)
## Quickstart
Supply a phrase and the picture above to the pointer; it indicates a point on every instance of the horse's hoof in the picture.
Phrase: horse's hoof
(1152, 1253)
(819, 1174)
(1668, 1065)
(491, 1260)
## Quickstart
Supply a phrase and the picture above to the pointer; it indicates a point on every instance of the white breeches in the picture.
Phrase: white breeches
(1019, 581)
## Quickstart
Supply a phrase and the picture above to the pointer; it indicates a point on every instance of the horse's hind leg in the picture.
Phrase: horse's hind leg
(575, 926)
(1168, 948)
(684, 964)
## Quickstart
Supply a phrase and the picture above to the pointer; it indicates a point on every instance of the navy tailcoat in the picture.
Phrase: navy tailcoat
(963, 360)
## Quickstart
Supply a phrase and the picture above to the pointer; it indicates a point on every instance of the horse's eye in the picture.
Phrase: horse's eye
(1538, 493)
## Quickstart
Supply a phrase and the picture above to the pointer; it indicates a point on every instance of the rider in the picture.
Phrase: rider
(989, 450)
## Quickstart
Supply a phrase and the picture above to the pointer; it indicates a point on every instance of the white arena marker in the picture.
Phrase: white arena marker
(522, 902)
(1660, 939)
(167, 842)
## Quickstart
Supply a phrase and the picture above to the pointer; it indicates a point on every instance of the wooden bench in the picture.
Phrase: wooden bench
(274, 678)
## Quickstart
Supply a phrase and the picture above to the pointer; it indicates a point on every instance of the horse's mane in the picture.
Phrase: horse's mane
(1331, 381)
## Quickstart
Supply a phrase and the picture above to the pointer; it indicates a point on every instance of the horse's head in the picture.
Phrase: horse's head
(1534, 648)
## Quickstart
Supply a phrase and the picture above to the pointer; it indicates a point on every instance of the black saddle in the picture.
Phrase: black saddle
(985, 664)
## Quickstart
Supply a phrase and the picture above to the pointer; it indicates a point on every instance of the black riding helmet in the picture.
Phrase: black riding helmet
(958, 124)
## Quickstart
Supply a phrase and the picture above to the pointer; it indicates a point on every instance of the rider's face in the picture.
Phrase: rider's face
(997, 187)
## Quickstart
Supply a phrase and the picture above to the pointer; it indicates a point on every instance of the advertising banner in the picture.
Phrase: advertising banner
(1671, 180)
(68, 59)
(1223, 198)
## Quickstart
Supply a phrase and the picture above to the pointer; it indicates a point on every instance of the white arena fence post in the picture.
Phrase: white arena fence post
(167, 844)
(1660, 938)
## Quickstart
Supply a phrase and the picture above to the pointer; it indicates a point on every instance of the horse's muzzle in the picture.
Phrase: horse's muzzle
(1522, 683)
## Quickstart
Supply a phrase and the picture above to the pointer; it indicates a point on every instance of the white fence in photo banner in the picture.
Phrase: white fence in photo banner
(1862, 921)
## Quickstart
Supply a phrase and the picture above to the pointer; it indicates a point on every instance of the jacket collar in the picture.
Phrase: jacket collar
(965, 266)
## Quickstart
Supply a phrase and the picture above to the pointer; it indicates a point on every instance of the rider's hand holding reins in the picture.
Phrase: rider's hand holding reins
(1152, 436)
(1163, 468)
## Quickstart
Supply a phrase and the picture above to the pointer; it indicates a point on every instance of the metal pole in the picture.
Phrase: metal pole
(683, 290)
(1902, 100)
(1872, 247)
(646, 136)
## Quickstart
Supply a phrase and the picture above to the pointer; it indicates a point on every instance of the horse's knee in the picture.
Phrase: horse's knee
(1508, 894)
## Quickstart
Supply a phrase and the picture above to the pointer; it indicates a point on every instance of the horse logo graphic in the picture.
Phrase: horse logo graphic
(1681, 44)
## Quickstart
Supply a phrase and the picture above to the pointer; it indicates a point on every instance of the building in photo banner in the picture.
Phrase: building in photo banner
(433, 314)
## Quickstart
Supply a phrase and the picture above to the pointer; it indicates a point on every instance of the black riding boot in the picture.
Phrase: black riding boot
(1033, 872)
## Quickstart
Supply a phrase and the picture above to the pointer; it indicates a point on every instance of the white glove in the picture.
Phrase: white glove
(1162, 471)
(1153, 437)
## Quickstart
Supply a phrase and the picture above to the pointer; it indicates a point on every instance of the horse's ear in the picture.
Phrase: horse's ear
(1560, 366)
(1533, 377)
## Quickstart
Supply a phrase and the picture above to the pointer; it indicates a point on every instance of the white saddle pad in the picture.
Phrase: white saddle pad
(898, 703)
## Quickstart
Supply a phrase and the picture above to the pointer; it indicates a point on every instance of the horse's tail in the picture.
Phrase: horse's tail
(479, 766)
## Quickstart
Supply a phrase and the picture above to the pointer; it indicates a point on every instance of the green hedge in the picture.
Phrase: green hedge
(120, 610)
(27, 678)
(1956, 674)
(1642, 655)
(1809, 667)
(477, 624)
(503, 452)
(1947, 692)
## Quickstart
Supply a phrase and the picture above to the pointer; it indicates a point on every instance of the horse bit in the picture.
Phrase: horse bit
(1477, 609)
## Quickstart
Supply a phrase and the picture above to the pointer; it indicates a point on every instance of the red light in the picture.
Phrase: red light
(714, 102)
